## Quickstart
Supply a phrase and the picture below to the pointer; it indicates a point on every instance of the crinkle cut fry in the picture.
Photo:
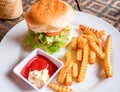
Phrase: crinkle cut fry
(90, 38)
(67, 56)
(100, 43)
(81, 43)
(92, 57)
(68, 64)
(108, 57)
(100, 54)
(68, 61)
(73, 43)
(67, 67)
(79, 55)
(75, 70)
(62, 74)
(88, 31)
(84, 64)
(82, 27)
(59, 88)
(97, 33)
(68, 81)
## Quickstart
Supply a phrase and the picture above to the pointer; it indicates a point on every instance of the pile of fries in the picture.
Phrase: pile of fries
(89, 47)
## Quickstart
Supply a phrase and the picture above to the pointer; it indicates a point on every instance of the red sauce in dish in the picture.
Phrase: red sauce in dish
(39, 62)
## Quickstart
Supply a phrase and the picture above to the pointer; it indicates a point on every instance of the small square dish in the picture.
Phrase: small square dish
(38, 69)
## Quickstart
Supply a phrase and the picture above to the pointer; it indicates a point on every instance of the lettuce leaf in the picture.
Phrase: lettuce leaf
(49, 44)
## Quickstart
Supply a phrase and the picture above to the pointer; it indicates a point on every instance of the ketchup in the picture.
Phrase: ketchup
(39, 62)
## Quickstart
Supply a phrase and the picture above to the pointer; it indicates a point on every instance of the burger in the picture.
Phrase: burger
(48, 22)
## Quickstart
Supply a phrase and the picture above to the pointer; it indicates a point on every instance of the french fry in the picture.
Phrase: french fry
(87, 30)
(67, 66)
(108, 57)
(59, 88)
(99, 34)
(61, 76)
(78, 40)
(82, 27)
(92, 57)
(73, 43)
(81, 43)
(90, 38)
(100, 43)
(84, 64)
(68, 61)
(62, 73)
(92, 31)
(87, 46)
(100, 54)
(67, 56)
(92, 43)
(74, 70)
(68, 81)
(79, 37)
(79, 55)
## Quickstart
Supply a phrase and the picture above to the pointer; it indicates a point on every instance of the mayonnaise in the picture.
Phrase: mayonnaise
(38, 78)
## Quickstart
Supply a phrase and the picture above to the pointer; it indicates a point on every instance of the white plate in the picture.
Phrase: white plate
(12, 52)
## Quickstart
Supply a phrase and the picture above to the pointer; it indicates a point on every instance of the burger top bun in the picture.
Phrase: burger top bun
(49, 16)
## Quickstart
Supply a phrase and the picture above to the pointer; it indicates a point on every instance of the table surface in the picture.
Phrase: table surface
(108, 10)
